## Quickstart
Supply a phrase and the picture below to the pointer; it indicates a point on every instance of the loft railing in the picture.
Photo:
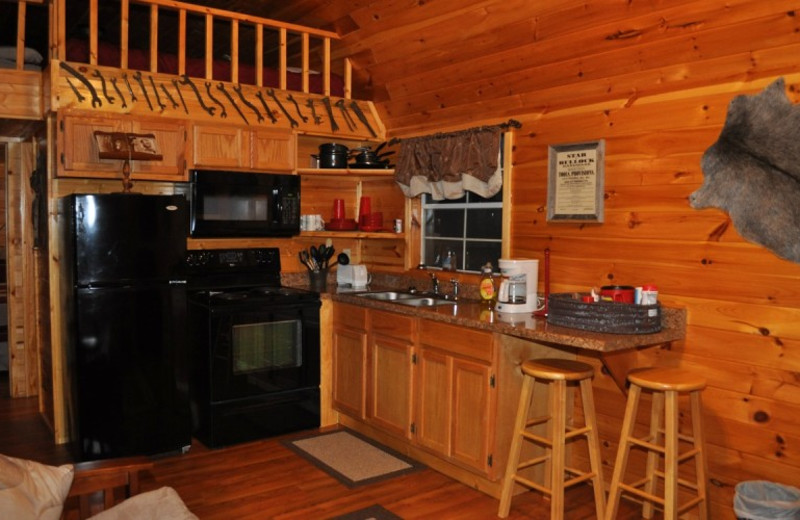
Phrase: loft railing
(22, 11)
(260, 26)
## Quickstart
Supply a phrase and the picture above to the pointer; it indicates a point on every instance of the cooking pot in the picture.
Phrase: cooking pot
(367, 158)
(617, 293)
(332, 155)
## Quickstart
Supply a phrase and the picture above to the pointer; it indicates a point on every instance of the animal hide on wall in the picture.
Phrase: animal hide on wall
(753, 170)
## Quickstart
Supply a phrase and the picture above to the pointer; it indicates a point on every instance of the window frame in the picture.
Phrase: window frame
(421, 206)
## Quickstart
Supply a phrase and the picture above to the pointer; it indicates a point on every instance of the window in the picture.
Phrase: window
(471, 228)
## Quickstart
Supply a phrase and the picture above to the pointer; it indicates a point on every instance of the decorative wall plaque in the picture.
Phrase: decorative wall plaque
(575, 182)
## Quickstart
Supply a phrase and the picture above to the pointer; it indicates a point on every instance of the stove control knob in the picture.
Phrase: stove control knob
(198, 258)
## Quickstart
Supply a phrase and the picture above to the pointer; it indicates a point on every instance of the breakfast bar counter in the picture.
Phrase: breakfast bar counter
(378, 356)
(473, 314)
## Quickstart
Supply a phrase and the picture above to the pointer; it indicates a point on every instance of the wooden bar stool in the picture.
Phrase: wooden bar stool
(556, 373)
(666, 384)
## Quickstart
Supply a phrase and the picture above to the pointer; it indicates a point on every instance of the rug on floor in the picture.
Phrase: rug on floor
(352, 459)
(375, 512)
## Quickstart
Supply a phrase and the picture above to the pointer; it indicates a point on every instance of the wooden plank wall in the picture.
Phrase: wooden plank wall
(23, 353)
(654, 80)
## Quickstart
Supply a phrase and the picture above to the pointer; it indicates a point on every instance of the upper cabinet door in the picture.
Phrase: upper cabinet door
(78, 151)
(220, 146)
(273, 150)
(171, 137)
(79, 154)
(238, 147)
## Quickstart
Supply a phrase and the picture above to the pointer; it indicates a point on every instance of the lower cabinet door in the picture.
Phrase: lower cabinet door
(471, 439)
(391, 376)
(349, 363)
(432, 427)
(455, 408)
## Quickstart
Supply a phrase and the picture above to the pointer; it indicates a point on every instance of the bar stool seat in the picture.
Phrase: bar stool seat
(557, 373)
(662, 443)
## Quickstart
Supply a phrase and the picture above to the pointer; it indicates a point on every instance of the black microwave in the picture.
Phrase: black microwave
(243, 204)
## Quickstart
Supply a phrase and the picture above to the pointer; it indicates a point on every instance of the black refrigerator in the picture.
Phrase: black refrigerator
(126, 324)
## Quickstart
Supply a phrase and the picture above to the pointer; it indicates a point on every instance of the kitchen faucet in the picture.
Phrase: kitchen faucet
(435, 282)
(455, 288)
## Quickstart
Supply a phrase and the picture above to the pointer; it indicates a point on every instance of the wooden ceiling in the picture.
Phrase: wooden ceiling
(432, 64)
(416, 57)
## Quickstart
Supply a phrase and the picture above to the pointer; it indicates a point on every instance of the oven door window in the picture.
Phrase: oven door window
(273, 345)
(256, 353)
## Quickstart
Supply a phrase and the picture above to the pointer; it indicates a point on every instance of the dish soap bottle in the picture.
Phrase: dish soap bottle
(486, 285)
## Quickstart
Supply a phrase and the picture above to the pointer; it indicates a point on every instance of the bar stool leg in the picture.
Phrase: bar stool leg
(516, 447)
(622, 452)
(656, 413)
(671, 456)
(587, 399)
(700, 461)
(558, 407)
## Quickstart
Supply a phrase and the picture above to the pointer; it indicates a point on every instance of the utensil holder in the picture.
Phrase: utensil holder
(318, 280)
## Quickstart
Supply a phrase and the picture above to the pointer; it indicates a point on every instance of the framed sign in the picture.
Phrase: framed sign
(120, 145)
(575, 182)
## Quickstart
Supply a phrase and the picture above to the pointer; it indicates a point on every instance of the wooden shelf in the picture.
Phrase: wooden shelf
(383, 235)
(348, 172)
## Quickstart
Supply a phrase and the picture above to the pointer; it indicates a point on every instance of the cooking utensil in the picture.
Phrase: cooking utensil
(305, 259)
(333, 155)
(342, 259)
(365, 157)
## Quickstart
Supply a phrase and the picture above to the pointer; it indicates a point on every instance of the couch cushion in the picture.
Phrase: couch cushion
(163, 503)
(30, 490)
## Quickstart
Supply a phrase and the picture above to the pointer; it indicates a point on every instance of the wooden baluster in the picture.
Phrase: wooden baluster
(282, 66)
(259, 55)
(348, 78)
(209, 47)
(305, 62)
(154, 38)
(20, 57)
(124, 23)
(58, 46)
(234, 51)
(93, 32)
(326, 66)
(181, 42)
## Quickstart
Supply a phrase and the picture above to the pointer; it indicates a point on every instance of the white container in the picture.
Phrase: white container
(649, 294)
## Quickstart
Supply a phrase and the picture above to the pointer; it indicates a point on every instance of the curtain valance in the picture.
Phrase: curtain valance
(447, 164)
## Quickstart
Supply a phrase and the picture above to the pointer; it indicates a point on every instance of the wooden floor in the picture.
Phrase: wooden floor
(265, 480)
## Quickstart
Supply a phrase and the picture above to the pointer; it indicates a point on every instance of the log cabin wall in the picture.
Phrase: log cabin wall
(653, 79)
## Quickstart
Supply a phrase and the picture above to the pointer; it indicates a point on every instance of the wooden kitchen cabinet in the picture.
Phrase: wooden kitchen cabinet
(349, 359)
(455, 392)
(392, 339)
(220, 146)
(79, 154)
(428, 383)
(239, 147)
(273, 150)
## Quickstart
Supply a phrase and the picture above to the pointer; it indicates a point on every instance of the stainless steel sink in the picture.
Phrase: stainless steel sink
(405, 298)
(425, 302)
(387, 295)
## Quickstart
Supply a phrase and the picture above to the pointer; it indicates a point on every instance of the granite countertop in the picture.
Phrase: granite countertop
(473, 314)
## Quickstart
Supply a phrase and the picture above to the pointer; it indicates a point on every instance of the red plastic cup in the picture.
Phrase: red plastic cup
(365, 208)
(338, 209)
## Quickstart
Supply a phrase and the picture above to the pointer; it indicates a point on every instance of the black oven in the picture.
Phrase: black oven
(255, 362)
(240, 204)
